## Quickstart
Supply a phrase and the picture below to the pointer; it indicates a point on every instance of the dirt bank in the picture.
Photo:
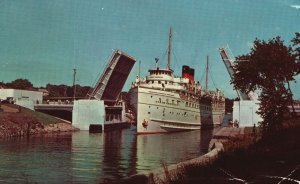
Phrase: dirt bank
(18, 121)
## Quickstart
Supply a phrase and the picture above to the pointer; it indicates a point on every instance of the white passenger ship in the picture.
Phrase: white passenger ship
(163, 103)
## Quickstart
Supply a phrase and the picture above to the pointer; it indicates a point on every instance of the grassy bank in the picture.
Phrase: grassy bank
(19, 121)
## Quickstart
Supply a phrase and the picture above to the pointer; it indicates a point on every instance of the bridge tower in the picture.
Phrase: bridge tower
(228, 60)
(113, 78)
(102, 108)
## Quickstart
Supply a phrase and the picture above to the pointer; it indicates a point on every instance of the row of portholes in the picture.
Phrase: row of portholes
(171, 102)
(218, 105)
(158, 82)
(207, 108)
(185, 114)
(187, 104)
(193, 105)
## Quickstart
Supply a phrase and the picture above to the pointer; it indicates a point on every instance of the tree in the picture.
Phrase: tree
(67, 91)
(57, 90)
(296, 43)
(81, 91)
(269, 67)
(20, 84)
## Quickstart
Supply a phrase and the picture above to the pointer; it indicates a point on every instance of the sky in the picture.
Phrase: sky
(43, 41)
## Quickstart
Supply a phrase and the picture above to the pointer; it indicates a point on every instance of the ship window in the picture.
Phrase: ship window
(156, 107)
(148, 112)
(149, 106)
(159, 82)
(151, 96)
(186, 104)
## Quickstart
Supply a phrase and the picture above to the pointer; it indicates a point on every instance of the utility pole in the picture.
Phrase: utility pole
(139, 73)
(206, 80)
(74, 84)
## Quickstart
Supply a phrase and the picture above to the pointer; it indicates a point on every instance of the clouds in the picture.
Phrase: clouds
(296, 6)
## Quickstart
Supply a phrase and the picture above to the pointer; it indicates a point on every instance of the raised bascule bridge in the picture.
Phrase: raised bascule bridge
(102, 104)
(245, 109)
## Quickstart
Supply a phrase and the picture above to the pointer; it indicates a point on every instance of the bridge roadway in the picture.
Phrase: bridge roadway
(65, 107)
(62, 107)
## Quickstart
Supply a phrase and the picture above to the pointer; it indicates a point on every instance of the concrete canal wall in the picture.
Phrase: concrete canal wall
(87, 112)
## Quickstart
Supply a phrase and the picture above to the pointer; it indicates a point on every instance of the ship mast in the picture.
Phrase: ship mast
(169, 49)
(206, 81)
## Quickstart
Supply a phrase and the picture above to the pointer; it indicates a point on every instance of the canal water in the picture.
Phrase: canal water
(82, 157)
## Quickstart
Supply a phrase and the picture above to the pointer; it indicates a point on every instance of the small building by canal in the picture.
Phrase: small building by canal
(25, 98)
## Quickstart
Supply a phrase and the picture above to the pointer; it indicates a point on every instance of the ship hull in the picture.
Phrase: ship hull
(159, 111)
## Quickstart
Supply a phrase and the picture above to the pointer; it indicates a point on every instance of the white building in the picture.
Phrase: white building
(245, 112)
(24, 98)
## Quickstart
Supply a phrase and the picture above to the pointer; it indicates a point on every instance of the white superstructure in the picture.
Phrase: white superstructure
(162, 102)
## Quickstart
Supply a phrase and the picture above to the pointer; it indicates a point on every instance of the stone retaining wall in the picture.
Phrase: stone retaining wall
(159, 174)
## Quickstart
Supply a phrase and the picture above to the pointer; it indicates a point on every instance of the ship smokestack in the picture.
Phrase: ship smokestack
(188, 73)
(185, 71)
(192, 74)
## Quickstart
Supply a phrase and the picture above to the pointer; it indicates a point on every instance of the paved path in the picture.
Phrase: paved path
(9, 109)
(229, 132)
(226, 133)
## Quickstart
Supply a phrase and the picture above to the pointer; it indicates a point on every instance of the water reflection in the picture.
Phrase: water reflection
(119, 154)
(206, 136)
(86, 156)
(35, 159)
(91, 158)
